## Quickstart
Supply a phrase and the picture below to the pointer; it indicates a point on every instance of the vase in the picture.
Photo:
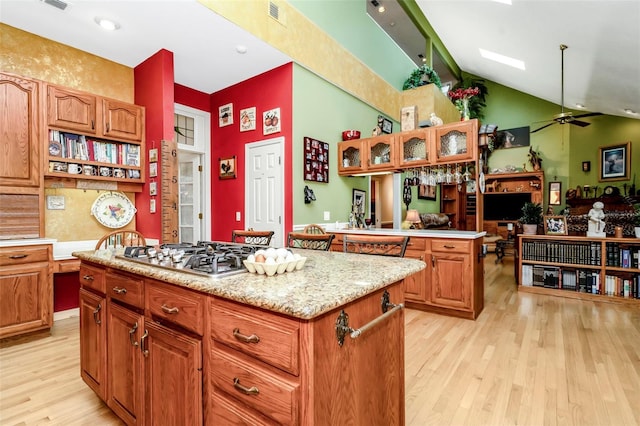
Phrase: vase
(465, 110)
(529, 229)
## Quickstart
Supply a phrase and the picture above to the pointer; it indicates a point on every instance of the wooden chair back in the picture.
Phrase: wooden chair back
(383, 245)
(310, 241)
(262, 238)
(312, 228)
(121, 238)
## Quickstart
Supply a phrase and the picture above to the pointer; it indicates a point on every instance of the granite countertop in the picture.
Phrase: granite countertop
(327, 281)
(435, 233)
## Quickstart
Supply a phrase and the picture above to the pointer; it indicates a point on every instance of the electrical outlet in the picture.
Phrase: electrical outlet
(238, 217)
(327, 215)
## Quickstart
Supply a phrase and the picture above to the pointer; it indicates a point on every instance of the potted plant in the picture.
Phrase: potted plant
(421, 76)
(531, 218)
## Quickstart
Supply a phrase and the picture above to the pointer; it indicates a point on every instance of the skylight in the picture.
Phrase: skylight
(516, 63)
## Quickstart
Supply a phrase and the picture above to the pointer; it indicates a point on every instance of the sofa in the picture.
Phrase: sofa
(617, 210)
(435, 221)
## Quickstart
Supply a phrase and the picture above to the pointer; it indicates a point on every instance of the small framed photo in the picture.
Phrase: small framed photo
(152, 205)
(227, 168)
(614, 162)
(555, 192)
(248, 119)
(359, 200)
(55, 202)
(426, 192)
(153, 155)
(385, 125)
(586, 166)
(153, 169)
(271, 121)
(225, 115)
(153, 188)
(555, 225)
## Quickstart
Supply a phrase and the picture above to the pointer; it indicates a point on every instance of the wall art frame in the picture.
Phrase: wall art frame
(316, 160)
(359, 201)
(555, 193)
(614, 162)
(426, 192)
(227, 167)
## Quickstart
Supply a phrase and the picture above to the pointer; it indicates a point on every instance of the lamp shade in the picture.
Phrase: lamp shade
(413, 216)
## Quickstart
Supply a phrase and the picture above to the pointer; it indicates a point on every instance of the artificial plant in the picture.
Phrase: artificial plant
(478, 102)
(421, 76)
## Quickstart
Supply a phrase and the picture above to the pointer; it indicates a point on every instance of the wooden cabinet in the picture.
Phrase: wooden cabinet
(374, 154)
(125, 370)
(415, 288)
(415, 148)
(26, 289)
(597, 269)
(93, 335)
(456, 141)
(452, 198)
(95, 138)
(450, 267)
(351, 157)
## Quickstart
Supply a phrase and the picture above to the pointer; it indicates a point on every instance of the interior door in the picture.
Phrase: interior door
(189, 177)
(264, 188)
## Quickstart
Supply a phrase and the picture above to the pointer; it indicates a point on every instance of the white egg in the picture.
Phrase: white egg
(251, 258)
(282, 252)
(271, 252)
(270, 261)
(290, 257)
(261, 251)
(280, 259)
(296, 256)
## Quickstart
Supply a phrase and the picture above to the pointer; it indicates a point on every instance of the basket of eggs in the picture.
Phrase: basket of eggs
(272, 261)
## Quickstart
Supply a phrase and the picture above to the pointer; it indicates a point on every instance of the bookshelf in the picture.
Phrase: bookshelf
(603, 269)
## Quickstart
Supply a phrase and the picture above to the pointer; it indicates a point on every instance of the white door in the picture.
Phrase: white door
(264, 188)
(191, 215)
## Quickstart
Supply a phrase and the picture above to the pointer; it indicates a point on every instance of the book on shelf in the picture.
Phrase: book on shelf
(551, 277)
(527, 275)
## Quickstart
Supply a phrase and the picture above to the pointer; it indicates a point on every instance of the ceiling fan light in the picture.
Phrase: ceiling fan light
(630, 111)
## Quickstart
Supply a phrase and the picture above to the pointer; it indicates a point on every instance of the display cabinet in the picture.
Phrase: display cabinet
(416, 148)
(351, 157)
(452, 198)
(456, 142)
(381, 153)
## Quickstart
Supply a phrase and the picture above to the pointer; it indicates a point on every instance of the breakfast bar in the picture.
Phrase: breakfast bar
(296, 348)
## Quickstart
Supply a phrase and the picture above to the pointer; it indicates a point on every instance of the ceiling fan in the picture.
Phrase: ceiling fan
(566, 117)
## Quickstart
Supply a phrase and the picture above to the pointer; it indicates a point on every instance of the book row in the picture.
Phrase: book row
(574, 252)
(622, 256)
(580, 280)
(80, 147)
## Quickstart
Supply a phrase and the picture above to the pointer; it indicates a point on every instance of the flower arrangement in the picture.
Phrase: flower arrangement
(461, 97)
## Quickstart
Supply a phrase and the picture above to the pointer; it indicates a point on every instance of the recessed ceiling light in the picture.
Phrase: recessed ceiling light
(107, 24)
(241, 49)
(629, 111)
(516, 63)
(579, 106)
(381, 9)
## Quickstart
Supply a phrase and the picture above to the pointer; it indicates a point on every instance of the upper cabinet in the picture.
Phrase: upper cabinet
(446, 144)
(456, 141)
(95, 138)
(415, 147)
(20, 133)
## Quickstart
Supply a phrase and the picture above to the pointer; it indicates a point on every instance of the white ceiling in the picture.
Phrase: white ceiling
(602, 64)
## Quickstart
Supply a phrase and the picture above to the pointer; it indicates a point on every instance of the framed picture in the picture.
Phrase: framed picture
(512, 138)
(271, 121)
(426, 192)
(614, 162)
(153, 188)
(228, 167)
(385, 125)
(554, 193)
(586, 166)
(555, 225)
(153, 169)
(225, 115)
(316, 160)
(248, 119)
(359, 200)
(153, 155)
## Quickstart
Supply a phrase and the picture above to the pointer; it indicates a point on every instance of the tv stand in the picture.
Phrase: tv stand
(523, 182)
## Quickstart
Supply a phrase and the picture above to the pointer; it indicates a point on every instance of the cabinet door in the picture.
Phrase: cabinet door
(173, 365)
(351, 157)
(381, 153)
(451, 280)
(26, 298)
(93, 341)
(124, 364)
(415, 286)
(69, 109)
(122, 120)
(20, 140)
(415, 148)
(457, 141)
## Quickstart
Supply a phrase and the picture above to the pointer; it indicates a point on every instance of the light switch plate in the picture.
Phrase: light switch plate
(238, 217)
(327, 215)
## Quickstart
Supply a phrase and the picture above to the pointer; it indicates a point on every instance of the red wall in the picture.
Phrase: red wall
(267, 91)
(192, 98)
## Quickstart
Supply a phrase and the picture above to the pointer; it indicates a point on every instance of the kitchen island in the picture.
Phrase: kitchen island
(320, 346)
(452, 283)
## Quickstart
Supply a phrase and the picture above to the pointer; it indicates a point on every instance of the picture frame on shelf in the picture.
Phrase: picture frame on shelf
(614, 162)
(426, 192)
(227, 167)
(555, 193)
(555, 225)
(359, 200)
(385, 125)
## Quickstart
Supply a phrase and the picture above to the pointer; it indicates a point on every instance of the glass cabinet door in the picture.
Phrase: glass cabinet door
(455, 142)
(415, 148)
(351, 157)
(382, 153)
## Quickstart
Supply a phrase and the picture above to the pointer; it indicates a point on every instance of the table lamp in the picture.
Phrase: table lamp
(413, 217)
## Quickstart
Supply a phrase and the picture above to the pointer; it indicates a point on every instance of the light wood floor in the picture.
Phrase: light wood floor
(527, 360)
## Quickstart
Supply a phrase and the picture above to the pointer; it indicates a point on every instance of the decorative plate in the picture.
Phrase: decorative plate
(113, 209)
(481, 182)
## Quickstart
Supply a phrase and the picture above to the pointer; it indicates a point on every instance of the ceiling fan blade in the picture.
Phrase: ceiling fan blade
(589, 114)
(579, 123)
(543, 127)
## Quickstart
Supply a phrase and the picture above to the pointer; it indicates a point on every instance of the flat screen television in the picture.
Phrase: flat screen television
(505, 205)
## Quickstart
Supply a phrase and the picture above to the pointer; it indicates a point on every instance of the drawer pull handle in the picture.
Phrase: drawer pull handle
(131, 333)
(143, 339)
(96, 312)
(247, 391)
(168, 310)
(88, 277)
(245, 339)
(18, 256)
(119, 290)
(448, 246)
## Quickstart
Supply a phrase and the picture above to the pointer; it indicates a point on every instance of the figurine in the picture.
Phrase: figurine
(435, 120)
(596, 221)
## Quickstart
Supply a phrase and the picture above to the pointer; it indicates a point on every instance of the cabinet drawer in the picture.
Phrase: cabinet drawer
(180, 306)
(416, 244)
(228, 412)
(272, 395)
(25, 254)
(457, 246)
(125, 288)
(92, 277)
(272, 340)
